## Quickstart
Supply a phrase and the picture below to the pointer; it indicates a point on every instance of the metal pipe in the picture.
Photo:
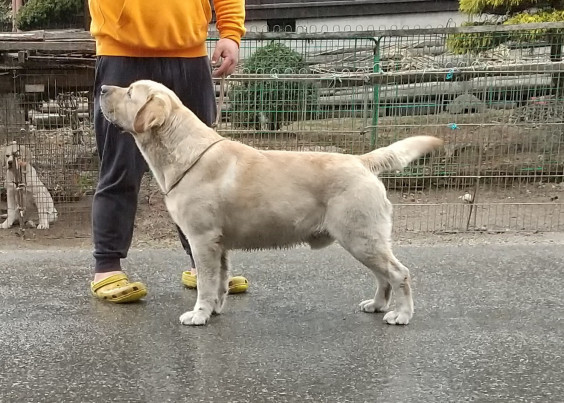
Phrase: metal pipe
(376, 95)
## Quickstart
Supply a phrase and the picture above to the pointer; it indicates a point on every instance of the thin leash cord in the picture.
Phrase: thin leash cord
(220, 102)
(21, 184)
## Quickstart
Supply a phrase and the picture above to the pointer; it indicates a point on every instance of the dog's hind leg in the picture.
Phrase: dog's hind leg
(404, 301)
(391, 275)
(208, 255)
(44, 203)
(43, 220)
(381, 301)
(366, 234)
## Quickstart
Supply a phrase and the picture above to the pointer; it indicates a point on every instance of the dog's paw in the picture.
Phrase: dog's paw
(194, 318)
(42, 226)
(4, 225)
(397, 318)
(371, 306)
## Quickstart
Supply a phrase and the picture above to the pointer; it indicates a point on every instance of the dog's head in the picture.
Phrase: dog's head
(141, 108)
(15, 153)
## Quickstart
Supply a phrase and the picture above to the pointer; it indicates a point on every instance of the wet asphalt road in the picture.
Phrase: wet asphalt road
(488, 327)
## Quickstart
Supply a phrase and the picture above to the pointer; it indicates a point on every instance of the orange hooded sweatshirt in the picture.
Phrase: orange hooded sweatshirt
(165, 28)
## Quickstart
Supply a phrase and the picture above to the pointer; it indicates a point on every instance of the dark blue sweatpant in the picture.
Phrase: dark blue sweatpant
(121, 164)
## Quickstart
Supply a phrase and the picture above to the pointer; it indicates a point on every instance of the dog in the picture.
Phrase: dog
(17, 162)
(225, 195)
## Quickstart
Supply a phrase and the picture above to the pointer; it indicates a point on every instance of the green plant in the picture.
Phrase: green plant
(40, 14)
(505, 12)
(474, 42)
(504, 7)
(269, 104)
(85, 183)
(5, 13)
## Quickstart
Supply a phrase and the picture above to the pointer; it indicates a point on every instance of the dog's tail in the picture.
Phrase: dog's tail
(398, 155)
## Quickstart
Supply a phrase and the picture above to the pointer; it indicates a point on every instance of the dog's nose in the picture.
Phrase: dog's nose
(104, 90)
(10, 164)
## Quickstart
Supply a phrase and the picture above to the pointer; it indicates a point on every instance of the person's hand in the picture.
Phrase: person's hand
(228, 51)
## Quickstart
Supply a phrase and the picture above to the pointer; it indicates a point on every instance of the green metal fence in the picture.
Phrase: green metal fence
(494, 95)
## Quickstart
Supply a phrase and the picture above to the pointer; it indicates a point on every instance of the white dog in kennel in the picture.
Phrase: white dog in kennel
(16, 159)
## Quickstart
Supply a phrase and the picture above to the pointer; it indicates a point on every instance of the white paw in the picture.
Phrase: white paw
(43, 226)
(4, 225)
(371, 306)
(194, 318)
(397, 318)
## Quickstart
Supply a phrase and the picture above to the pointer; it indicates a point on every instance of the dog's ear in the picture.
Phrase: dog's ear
(3, 156)
(153, 114)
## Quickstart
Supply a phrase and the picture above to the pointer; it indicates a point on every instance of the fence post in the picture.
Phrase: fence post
(556, 42)
(87, 17)
(16, 5)
(376, 95)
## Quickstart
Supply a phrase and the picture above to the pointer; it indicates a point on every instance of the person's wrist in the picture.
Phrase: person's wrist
(233, 39)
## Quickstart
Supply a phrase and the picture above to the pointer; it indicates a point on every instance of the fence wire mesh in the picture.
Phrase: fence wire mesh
(49, 116)
(495, 98)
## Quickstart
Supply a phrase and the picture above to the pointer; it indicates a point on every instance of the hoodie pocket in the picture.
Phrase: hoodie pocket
(165, 25)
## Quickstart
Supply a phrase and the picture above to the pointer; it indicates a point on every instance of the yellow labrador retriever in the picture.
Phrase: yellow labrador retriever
(225, 195)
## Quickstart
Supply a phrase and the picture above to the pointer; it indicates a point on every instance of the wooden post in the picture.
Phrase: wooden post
(16, 5)
(87, 17)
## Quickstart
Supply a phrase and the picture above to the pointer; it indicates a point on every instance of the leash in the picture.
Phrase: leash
(220, 102)
(177, 181)
(20, 183)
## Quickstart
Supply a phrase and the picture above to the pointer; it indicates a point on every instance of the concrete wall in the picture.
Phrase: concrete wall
(390, 21)
(415, 20)
(384, 22)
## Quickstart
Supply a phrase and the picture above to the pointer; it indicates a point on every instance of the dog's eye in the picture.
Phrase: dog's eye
(129, 93)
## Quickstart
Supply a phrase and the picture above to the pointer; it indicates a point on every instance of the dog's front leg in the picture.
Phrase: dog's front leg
(208, 263)
(12, 212)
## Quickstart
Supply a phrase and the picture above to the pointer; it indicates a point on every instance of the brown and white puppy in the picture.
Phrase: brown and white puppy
(16, 159)
(232, 196)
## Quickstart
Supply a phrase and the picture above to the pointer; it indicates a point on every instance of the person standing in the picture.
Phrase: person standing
(164, 42)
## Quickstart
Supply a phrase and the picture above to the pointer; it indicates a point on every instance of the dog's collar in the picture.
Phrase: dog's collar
(177, 181)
